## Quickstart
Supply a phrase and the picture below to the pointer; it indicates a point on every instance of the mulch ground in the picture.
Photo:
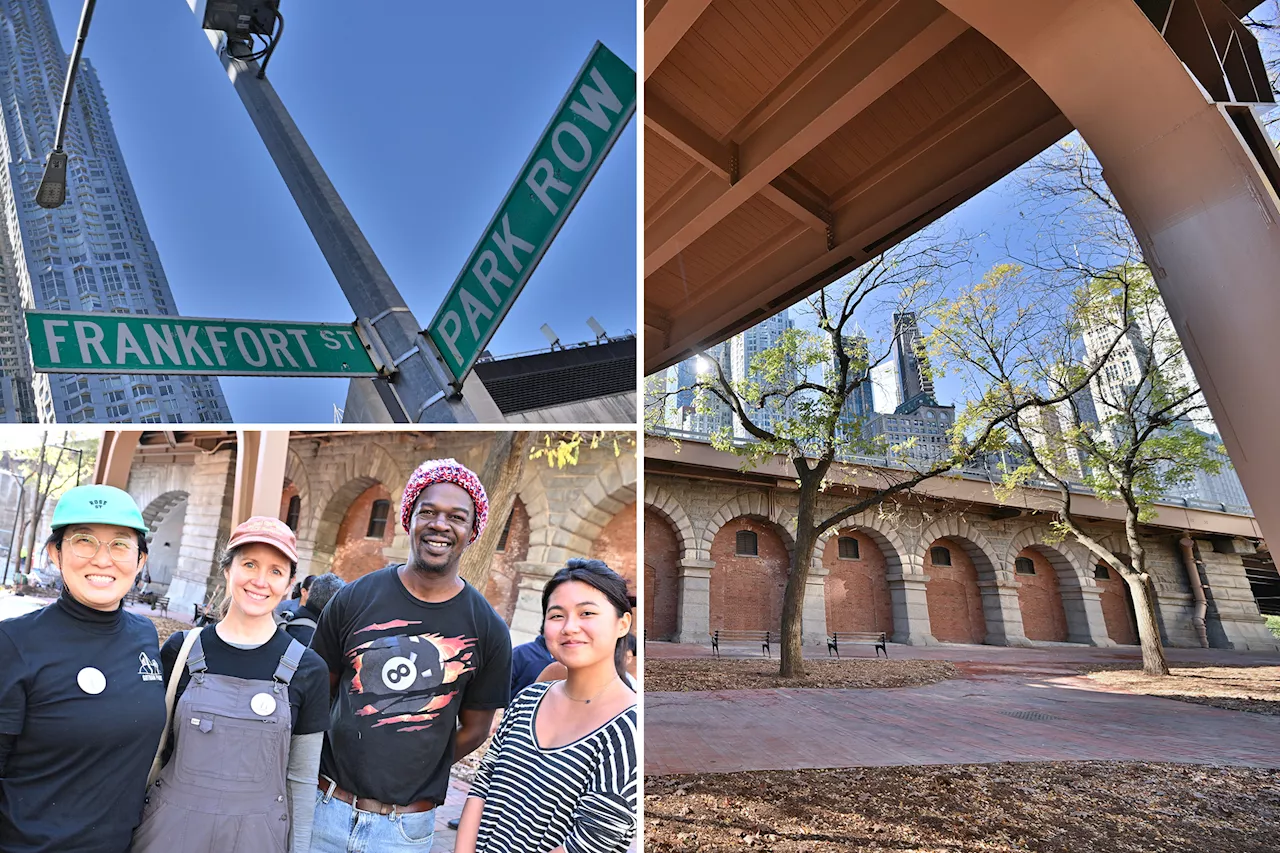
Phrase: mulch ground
(1255, 689)
(1050, 807)
(167, 627)
(681, 675)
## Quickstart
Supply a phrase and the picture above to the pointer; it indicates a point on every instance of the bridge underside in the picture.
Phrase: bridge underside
(788, 143)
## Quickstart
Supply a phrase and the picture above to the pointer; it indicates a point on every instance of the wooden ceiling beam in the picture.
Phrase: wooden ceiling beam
(665, 23)
(793, 268)
(889, 48)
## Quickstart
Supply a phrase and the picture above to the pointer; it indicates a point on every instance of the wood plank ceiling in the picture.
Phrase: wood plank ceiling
(788, 141)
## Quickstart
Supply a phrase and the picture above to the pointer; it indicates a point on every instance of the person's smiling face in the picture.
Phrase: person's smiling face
(258, 577)
(581, 627)
(98, 563)
(440, 527)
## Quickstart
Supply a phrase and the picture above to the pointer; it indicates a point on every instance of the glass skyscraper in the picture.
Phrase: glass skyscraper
(92, 254)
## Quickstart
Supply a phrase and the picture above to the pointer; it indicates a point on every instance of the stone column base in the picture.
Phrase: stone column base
(693, 602)
(910, 610)
(1003, 615)
(526, 622)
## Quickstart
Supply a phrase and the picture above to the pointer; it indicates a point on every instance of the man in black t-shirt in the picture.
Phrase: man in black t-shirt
(419, 662)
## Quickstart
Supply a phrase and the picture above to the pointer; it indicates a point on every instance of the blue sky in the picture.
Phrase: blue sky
(421, 113)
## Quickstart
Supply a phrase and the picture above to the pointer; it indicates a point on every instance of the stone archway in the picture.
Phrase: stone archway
(320, 525)
(566, 518)
(746, 590)
(903, 574)
(662, 550)
(856, 590)
(953, 613)
(1062, 585)
(165, 516)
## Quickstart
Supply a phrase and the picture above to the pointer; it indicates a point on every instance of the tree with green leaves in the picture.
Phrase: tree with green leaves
(790, 401)
(1086, 307)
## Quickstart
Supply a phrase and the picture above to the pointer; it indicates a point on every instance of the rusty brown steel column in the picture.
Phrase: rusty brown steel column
(261, 457)
(115, 458)
(1204, 210)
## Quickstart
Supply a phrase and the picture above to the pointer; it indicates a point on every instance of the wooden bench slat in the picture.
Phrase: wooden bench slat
(871, 638)
(742, 635)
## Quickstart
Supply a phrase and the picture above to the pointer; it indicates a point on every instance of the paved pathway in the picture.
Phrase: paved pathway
(999, 711)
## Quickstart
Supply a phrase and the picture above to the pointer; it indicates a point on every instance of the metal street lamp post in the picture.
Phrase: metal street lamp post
(53, 186)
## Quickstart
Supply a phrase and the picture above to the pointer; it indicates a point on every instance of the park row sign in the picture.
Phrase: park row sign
(584, 127)
(65, 342)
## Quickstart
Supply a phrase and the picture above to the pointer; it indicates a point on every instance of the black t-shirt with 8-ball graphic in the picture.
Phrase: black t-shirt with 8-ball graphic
(406, 669)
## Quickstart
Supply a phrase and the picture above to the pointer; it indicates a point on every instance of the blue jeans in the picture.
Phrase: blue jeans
(339, 828)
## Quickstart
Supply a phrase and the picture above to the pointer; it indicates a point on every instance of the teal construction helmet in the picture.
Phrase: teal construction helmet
(98, 505)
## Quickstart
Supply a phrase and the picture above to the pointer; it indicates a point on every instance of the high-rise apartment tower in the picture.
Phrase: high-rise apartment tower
(92, 254)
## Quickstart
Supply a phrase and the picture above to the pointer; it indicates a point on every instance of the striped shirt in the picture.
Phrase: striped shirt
(582, 795)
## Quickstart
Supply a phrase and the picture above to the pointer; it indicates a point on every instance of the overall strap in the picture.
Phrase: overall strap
(289, 662)
(195, 661)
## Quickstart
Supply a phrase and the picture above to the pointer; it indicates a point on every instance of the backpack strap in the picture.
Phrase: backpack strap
(196, 664)
(170, 696)
(301, 622)
(289, 662)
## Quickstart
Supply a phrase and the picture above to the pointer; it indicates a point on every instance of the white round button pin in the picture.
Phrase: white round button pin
(263, 704)
(91, 680)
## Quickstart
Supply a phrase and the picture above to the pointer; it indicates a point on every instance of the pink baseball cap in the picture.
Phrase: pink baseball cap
(266, 531)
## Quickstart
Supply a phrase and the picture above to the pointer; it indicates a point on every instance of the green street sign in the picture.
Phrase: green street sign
(66, 342)
(584, 127)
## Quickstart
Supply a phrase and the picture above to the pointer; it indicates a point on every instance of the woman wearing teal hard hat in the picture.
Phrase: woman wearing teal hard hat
(81, 691)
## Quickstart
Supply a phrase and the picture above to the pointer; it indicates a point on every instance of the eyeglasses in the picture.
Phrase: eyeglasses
(86, 545)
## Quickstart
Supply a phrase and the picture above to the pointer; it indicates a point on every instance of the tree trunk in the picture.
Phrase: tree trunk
(500, 476)
(792, 647)
(1144, 599)
(1144, 608)
(37, 504)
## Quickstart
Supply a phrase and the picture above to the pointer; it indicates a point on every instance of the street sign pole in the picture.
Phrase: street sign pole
(420, 390)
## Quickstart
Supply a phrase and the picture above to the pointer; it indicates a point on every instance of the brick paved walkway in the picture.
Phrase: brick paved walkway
(1002, 709)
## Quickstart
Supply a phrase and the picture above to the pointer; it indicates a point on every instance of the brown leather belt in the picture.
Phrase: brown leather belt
(366, 804)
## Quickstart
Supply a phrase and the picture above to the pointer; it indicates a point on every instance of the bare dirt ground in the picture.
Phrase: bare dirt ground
(1255, 689)
(682, 675)
(1055, 807)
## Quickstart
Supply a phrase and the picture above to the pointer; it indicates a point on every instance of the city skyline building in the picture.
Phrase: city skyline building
(93, 254)
(743, 349)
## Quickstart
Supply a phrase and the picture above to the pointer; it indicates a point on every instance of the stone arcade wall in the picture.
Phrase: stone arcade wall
(578, 511)
(979, 598)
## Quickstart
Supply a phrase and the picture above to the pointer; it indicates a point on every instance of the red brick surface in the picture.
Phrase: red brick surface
(1117, 609)
(504, 578)
(661, 560)
(287, 495)
(616, 544)
(356, 555)
(1040, 601)
(857, 594)
(746, 592)
(955, 604)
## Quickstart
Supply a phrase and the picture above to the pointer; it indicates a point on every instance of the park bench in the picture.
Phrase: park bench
(761, 637)
(161, 604)
(870, 638)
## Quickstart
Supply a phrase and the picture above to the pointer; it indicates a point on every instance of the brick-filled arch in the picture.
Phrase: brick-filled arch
(954, 598)
(857, 589)
(665, 504)
(661, 576)
(747, 591)
(1040, 599)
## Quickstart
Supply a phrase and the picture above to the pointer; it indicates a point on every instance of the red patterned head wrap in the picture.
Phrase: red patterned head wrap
(446, 471)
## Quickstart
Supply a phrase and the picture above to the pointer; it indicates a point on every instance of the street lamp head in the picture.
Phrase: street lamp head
(53, 186)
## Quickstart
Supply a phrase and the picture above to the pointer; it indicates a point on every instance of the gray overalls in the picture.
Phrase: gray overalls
(223, 789)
